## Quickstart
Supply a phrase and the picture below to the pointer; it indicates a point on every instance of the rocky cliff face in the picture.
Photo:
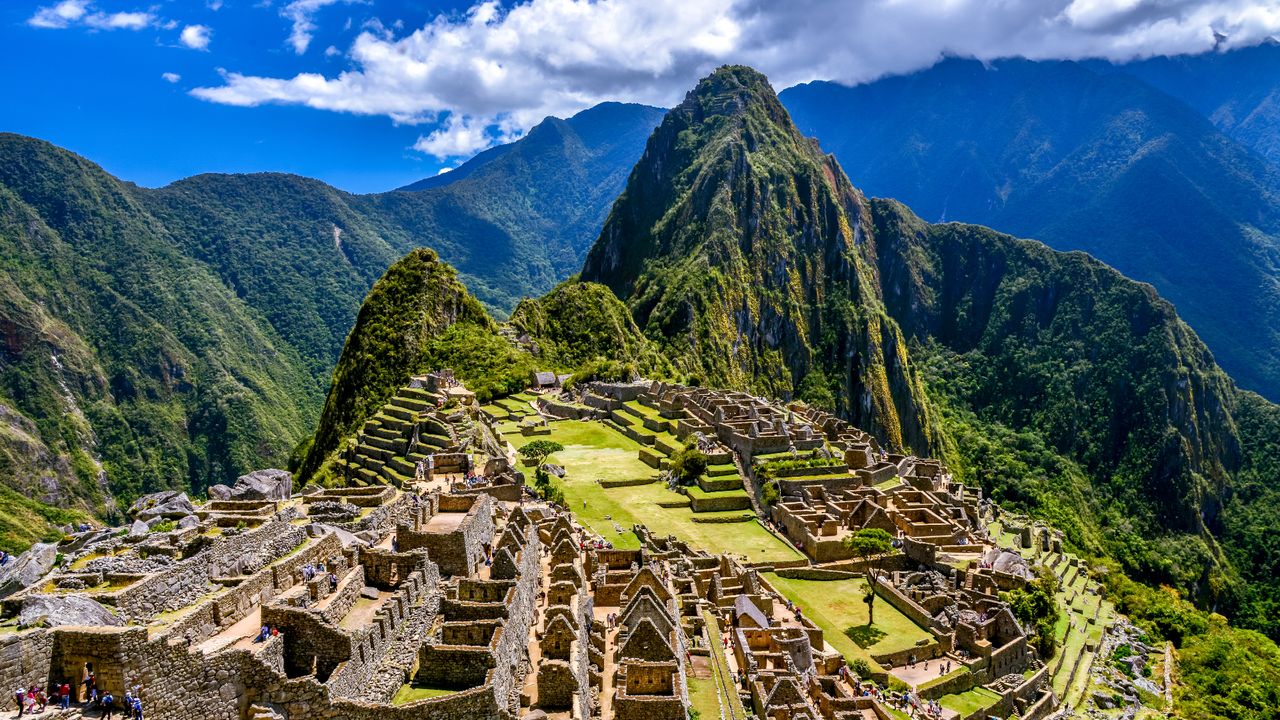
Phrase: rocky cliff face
(1096, 363)
(743, 252)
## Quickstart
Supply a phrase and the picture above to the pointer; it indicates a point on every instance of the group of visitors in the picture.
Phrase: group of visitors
(596, 543)
(35, 700)
(267, 632)
(309, 571)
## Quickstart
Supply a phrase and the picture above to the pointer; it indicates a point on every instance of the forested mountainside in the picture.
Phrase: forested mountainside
(1083, 158)
(1052, 379)
(419, 317)
(181, 336)
(125, 366)
(1239, 90)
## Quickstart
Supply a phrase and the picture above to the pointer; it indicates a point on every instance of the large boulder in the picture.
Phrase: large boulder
(55, 610)
(27, 569)
(264, 485)
(168, 504)
(219, 492)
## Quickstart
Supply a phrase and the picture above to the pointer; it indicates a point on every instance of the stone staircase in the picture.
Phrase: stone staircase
(385, 450)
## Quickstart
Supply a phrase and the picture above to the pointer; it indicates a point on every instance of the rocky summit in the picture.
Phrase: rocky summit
(780, 450)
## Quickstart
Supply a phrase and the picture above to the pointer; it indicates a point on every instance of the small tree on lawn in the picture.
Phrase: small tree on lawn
(689, 464)
(538, 451)
(870, 545)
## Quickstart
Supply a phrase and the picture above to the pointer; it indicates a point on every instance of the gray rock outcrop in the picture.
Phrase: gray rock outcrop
(268, 484)
(28, 568)
(55, 610)
(168, 504)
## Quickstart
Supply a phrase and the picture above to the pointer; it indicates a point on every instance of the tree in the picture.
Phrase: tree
(870, 545)
(1035, 605)
(689, 464)
(538, 451)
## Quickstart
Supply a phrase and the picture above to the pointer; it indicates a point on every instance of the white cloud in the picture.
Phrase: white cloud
(495, 71)
(119, 21)
(444, 170)
(302, 14)
(77, 12)
(462, 135)
(332, 51)
(196, 37)
(171, 77)
(59, 16)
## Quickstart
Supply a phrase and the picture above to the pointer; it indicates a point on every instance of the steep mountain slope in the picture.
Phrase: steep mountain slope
(419, 317)
(518, 219)
(413, 304)
(737, 246)
(1239, 90)
(1083, 161)
(126, 366)
(1097, 366)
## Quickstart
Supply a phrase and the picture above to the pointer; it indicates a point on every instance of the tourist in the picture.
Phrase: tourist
(137, 708)
(263, 634)
(21, 696)
(65, 692)
(108, 705)
(333, 582)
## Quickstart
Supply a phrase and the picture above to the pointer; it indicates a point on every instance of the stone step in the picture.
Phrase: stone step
(402, 466)
(399, 413)
(418, 394)
(378, 430)
(395, 445)
(410, 403)
(397, 424)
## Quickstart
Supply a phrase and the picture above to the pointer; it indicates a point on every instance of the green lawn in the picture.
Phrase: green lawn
(703, 698)
(969, 701)
(837, 607)
(412, 693)
(595, 451)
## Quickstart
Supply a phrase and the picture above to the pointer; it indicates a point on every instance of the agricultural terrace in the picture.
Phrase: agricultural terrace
(594, 452)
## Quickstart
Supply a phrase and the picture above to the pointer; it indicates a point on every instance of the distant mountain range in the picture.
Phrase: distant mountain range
(1083, 157)
(181, 336)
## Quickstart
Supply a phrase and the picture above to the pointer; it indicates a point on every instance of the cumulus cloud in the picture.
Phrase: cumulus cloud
(302, 13)
(196, 37)
(489, 73)
(80, 12)
(171, 77)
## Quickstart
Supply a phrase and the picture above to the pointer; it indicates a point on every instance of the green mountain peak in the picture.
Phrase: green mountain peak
(736, 244)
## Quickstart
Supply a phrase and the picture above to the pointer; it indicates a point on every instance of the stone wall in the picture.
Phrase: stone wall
(460, 550)
(185, 582)
(24, 658)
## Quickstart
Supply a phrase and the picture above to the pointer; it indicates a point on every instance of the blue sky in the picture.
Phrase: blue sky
(371, 94)
(102, 94)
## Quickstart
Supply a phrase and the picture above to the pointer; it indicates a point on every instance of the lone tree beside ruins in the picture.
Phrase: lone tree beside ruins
(538, 451)
(870, 545)
(689, 464)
